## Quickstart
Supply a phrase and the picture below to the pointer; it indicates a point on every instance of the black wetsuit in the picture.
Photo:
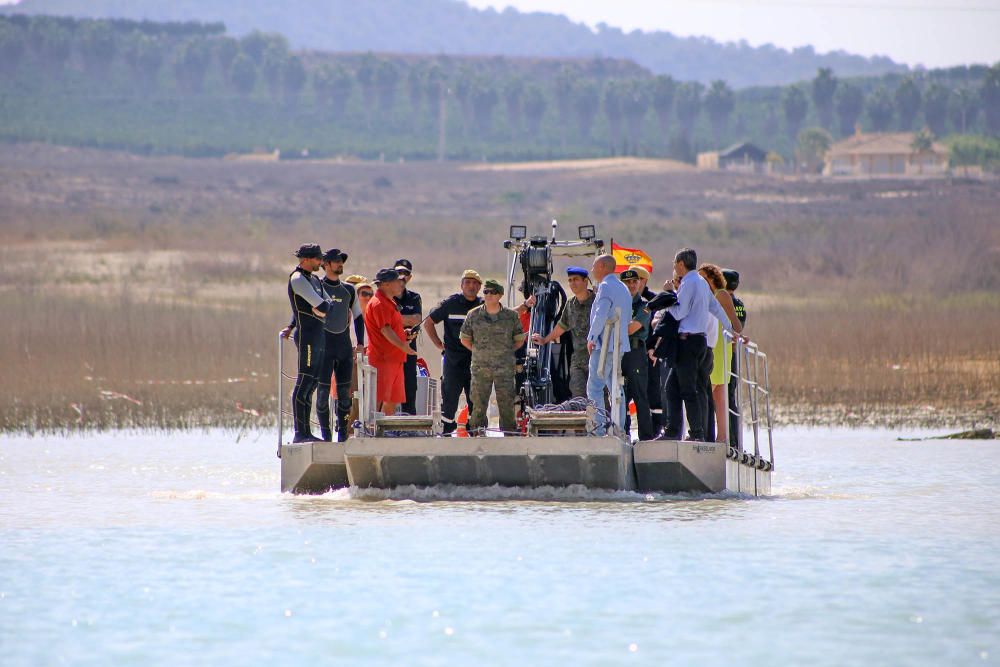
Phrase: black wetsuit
(311, 342)
(338, 356)
(410, 304)
(456, 363)
(734, 408)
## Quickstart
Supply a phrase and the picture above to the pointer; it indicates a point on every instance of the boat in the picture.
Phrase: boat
(557, 448)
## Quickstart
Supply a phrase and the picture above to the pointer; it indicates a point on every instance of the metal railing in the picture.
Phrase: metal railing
(617, 396)
(753, 401)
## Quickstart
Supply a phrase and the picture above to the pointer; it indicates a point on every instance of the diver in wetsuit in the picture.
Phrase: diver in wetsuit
(309, 308)
(338, 354)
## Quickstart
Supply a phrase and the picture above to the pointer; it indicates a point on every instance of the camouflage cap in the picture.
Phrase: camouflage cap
(493, 285)
(473, 274)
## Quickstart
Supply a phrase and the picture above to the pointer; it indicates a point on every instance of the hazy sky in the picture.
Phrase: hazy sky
(934, 33)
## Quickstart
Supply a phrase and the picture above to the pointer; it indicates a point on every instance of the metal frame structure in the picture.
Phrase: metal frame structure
(753, 400)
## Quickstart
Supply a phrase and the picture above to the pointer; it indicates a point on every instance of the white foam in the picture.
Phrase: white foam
(573, 493)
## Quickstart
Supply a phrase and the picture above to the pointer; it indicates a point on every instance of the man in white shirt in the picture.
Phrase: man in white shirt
(611, 296)
(695, 305)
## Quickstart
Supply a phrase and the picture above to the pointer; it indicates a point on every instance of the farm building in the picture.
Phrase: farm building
(743, 156)
(885, 154)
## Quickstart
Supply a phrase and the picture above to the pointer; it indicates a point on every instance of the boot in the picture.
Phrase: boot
(342, 428)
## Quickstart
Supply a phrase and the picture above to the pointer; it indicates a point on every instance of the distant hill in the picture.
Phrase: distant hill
(450, 26)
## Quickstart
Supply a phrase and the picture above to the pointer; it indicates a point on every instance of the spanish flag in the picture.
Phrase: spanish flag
(626, 257)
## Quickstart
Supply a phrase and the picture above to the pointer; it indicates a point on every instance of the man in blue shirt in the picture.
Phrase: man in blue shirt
(611, 296)
(695, 302)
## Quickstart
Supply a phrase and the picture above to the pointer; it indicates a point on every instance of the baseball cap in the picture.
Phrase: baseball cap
(386, 275)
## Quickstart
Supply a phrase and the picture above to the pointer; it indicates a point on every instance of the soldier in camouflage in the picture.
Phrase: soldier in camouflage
(575, 319)
(492, 333)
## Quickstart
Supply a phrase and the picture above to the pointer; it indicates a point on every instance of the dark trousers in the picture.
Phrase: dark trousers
(655, 394)
(685, 383)
(410, 381)
(635, 370)
(670, 399)
(338, 366)
(456, 377)
(311, 342)
(707, 364)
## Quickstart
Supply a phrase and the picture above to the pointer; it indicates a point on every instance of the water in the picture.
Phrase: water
(175, 548)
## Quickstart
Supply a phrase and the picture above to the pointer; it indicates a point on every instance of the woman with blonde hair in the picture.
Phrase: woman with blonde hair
(720, 354)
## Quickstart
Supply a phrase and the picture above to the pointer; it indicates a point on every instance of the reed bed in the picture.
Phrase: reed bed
(125, 360)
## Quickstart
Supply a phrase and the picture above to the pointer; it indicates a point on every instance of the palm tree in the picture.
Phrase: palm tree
(513, 94)
(534, 108)
(795, 105)
(907, 98)
(613, 110)
(719, 104)
(850, 101)
(664, 89)
(635, 104)
(990, 94)
(586, 102)
(824, 88)
(880, 109)
(688, 107)
(936, 107)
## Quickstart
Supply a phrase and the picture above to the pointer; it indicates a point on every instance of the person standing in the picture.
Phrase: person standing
(732, 284)
(456, 360)
(411, 308)
(611, 296)
(635, 363)
(365, 291)
(492, 333)
(309, 308)
(694, 305)
(338, 352)
(721, 352)
(575, 319)
(387, 344)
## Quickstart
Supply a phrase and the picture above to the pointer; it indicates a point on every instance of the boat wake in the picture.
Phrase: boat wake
(572, 493)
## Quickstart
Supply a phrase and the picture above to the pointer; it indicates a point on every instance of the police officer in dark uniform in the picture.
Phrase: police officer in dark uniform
(456, 364)
(732, 282)
(635, 364)
(309, 307)
(338, 353)
(411, 308)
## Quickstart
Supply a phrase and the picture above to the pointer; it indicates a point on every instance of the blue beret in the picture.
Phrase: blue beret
(577, 271)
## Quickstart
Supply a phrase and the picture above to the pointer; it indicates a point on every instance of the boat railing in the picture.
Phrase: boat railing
(752, 405)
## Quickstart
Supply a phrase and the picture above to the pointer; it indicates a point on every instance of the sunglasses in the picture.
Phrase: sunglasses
(366, 294)
(491, 291)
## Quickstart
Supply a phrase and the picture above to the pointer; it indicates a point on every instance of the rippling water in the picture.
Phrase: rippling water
(176, 548)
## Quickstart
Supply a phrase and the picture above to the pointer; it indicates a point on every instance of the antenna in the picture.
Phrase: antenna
(555, 223)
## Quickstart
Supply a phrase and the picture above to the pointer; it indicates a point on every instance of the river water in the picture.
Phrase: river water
(176, 548)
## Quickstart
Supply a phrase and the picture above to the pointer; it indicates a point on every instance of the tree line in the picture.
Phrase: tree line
(481, 106)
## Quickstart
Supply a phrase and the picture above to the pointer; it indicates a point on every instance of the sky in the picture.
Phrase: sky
(933, 33)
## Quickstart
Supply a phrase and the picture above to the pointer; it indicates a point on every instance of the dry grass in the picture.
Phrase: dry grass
(164, 279)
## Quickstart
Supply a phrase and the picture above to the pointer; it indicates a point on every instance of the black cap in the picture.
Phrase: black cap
(386, 275)
(334, 255)
(629, 274)
(309, 251)
(732, 278)
(403, 264)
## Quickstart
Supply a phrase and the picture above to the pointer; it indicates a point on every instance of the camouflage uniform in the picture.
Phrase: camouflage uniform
(576, 320)
(493, 338)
